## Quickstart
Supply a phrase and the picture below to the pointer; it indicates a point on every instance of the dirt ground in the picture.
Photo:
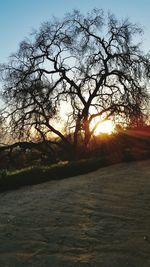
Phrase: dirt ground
(98, 219)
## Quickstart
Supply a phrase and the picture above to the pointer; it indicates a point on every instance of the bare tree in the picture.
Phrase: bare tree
(88, 61)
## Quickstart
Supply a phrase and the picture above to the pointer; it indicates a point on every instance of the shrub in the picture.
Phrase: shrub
(36, 175)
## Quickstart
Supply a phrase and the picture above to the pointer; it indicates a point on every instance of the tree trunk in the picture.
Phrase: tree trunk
(87, 134)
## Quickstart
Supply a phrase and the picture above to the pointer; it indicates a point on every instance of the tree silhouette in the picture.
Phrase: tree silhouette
(90, 62)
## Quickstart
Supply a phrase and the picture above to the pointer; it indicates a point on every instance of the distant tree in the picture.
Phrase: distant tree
(88, 61)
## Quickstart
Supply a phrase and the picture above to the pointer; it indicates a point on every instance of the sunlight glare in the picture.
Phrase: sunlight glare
(105, 127)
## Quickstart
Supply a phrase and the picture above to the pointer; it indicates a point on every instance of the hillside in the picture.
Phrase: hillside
(98, 219)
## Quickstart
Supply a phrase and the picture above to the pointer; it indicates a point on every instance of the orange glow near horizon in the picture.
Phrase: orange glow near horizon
(104, 127)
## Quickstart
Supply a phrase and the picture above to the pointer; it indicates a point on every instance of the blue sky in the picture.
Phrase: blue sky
(19, 17)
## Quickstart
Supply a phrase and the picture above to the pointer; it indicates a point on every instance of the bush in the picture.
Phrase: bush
(3, 174)
(36, 175)
(63, 169)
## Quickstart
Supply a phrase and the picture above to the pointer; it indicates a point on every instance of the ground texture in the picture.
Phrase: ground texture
(98, 219)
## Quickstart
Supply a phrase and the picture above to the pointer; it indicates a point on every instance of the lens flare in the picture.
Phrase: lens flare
(104, 127)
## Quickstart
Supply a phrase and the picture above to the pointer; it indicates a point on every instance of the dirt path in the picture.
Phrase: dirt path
(98, 219)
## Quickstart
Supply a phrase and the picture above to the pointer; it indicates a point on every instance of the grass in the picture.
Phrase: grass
(36, 175)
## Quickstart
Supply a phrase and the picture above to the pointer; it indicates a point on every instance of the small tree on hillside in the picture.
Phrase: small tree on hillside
(90, 62)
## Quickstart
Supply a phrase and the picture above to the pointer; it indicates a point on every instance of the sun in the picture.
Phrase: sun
(104, 127)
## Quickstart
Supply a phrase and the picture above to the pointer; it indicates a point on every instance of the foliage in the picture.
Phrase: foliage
(36, 175)
(129, 145)
(3, 174)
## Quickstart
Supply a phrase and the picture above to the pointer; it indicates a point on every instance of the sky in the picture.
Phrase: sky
(18, 18)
